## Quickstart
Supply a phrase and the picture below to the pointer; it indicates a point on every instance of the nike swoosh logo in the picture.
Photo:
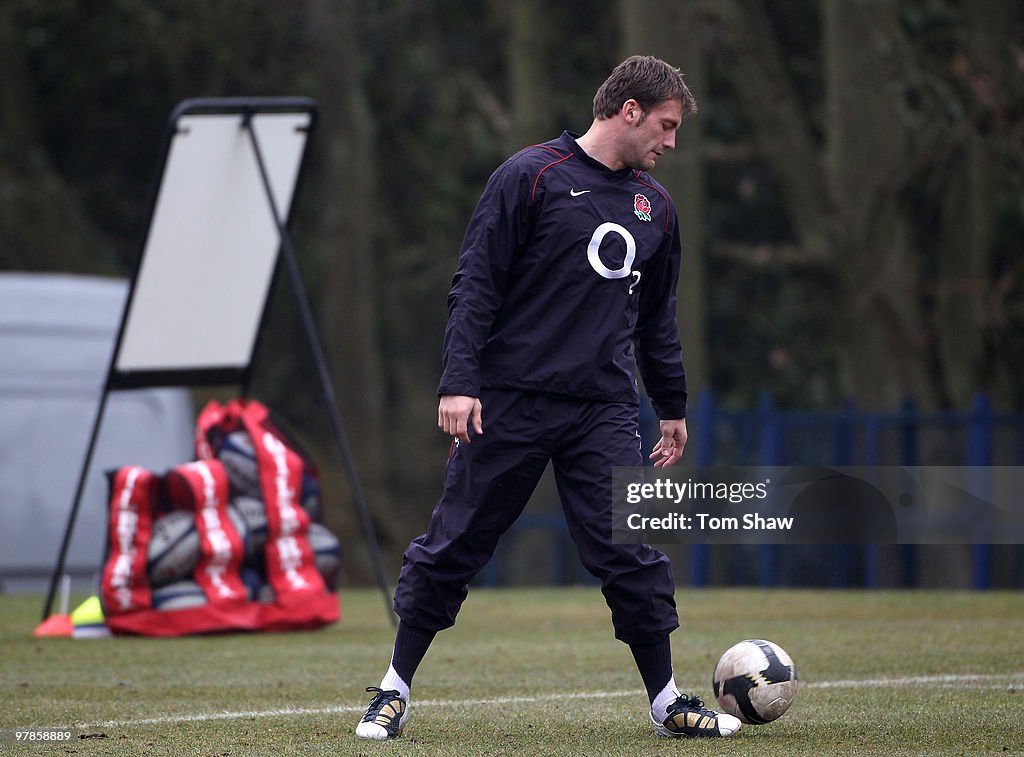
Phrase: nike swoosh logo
(574, 193)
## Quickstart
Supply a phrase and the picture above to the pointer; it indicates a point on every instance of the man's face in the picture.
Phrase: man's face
(651, 134)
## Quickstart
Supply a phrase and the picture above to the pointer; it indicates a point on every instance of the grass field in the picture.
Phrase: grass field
(535, 672)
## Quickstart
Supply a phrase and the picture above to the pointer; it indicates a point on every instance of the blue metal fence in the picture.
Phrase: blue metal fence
(768, 436)
(850, 436)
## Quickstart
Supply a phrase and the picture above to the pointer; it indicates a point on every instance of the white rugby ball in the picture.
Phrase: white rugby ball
(254, 513)
(178, 596)
(327, 557)
(241, 527)
(173, 548)
(327, 552)
(237, 454)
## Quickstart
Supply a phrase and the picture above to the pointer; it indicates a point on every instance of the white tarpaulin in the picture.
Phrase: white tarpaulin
(57, 333)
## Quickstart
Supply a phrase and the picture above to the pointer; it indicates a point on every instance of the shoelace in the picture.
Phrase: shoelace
(694, 702)
(382, 698)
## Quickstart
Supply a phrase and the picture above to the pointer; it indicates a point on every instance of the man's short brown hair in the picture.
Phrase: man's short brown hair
(647, 80)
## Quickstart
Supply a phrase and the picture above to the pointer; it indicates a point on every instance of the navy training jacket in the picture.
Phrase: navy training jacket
(566, 283)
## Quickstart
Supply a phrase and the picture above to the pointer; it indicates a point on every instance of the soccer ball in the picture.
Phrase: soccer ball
(755, 681)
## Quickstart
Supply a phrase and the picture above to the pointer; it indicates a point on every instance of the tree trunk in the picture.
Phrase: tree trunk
(676, 38)
(845, 200)
(965, 266)
(343, 237)
(884, 355)
(780, 126)
(529, 87)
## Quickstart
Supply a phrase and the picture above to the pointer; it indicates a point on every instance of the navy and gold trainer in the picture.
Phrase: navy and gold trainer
(688, 718)
(385, 717)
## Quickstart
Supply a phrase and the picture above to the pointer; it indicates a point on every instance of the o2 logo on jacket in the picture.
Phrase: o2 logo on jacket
(594, 256)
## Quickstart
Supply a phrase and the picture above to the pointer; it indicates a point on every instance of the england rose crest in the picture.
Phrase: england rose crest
(642, 207)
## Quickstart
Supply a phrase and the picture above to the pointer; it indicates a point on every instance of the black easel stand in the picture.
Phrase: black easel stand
(246, 109)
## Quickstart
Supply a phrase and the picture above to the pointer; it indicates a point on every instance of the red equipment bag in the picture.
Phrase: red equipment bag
(219, 598)
(203, 487)
(290, 564)
(125, 586)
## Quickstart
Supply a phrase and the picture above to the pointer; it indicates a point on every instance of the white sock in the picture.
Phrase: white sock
(659, 707)
(392, 680)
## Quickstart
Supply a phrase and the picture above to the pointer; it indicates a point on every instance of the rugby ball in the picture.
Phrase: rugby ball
(238, 456)
(327, 558)
(254, 514)
(327, 553)
(173, 548)
(178, 596)
(241, 527)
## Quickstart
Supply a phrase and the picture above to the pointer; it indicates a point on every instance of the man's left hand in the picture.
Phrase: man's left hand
(670, 447)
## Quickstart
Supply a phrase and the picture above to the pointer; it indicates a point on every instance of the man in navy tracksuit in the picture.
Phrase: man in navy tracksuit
(565, 286)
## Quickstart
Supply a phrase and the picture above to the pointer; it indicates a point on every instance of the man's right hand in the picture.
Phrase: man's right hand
(454, 413)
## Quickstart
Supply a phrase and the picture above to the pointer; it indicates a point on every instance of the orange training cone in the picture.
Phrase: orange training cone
(55, 625)
(58, 624)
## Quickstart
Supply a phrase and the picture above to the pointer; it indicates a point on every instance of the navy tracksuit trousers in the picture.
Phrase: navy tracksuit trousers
(488, 483)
